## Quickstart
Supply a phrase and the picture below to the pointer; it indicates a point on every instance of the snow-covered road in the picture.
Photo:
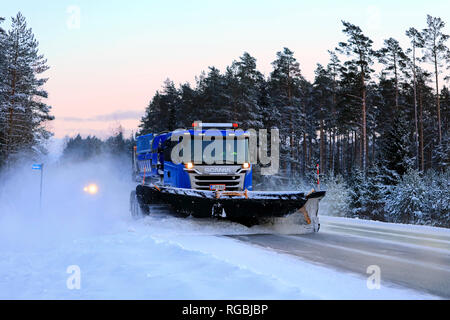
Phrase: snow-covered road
(93, 239)
(411, 256)
(164, 257)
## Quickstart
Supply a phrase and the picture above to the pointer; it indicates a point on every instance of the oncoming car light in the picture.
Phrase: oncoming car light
(245, 165)
(91, 188)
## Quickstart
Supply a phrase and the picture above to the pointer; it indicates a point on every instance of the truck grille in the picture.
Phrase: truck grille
(203, 182)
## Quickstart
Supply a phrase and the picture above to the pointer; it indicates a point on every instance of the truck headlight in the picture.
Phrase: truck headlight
(189, 165)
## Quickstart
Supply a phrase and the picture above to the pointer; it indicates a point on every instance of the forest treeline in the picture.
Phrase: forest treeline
(348, 117)
(372, 129)
(83, 149)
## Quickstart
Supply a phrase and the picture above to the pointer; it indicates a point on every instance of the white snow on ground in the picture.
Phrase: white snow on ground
(391, 226)
(159, 257)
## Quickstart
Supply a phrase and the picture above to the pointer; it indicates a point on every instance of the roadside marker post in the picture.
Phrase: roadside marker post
(39, 166)
(318, 178)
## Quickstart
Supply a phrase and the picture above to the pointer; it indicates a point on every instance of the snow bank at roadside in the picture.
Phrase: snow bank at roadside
(387, 225)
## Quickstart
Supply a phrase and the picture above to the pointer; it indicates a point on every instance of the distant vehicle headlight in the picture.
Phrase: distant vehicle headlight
(91, 188)
(245, 165)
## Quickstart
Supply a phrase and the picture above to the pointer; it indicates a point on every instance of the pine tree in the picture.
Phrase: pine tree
(395, 155)
(2, 89)
(425, 119)
(333, 68)
(2, 58)
(360, 48)
(215, 104)
(384, 108)
(393, 57)
(189, 106)
(436, 52)
(163, 112)
(247, 95)
(170, 102)
(284, 82)
(23, 111)
(445, 108)
(150, 121)
(416, 42)
(323, 98)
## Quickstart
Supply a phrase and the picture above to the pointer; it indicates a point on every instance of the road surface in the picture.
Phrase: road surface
(412, 258)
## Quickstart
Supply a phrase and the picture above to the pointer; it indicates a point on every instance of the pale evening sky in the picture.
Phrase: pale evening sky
(106, 65)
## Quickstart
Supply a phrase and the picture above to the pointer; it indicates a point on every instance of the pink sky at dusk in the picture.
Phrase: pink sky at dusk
(105, 70)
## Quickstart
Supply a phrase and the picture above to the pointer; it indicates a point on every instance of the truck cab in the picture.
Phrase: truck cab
(218, 158)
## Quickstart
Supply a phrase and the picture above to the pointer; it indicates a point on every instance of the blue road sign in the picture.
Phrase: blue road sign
(37, 166)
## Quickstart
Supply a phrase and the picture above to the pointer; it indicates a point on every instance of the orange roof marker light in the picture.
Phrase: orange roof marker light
(214, 125)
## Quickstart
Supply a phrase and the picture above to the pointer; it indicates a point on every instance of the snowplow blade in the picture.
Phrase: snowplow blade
(246, 207)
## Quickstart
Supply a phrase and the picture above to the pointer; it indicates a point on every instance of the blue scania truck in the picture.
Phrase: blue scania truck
(206, 171)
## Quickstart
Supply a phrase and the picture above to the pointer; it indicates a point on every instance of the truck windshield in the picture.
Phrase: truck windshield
(233, 151)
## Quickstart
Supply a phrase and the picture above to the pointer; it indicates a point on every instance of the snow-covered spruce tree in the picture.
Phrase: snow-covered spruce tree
(245, 95)
(189, 102)
(170, 105)
(214, 103)
(23, 111)
(286, 98)
(437, 200)
(337, 201)
(357, 193)
(407, 201)
(367, 194)
(151, 119)
(395, 154)
(162, 113)
(441, 154)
